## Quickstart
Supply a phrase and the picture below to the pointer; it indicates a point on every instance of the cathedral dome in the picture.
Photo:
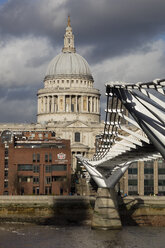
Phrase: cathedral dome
(68, 64)
(68, 93)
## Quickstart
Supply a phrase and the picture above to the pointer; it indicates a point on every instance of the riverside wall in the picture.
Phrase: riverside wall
(57, 210)
(77, 210)
(142, 210)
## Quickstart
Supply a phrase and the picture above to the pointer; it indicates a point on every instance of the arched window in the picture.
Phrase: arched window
(77, 137)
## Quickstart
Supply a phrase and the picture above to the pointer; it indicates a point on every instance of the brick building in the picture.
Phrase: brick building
(34, 163)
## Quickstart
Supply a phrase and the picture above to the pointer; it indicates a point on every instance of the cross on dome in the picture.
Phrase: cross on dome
(69, 21)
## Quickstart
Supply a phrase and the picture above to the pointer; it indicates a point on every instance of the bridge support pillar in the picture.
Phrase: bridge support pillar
(106, 215)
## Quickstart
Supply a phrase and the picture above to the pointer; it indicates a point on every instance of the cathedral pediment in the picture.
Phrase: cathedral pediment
(79, 146)
(77, 123)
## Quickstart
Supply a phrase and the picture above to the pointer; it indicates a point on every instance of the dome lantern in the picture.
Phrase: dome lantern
(68, 39)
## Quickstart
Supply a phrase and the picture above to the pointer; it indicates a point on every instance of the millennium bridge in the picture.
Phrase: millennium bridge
(142, 107)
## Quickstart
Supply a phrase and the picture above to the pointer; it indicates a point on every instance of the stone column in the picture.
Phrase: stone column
(55, 103)
(87, 102)
(155, 177)
(70, 103)
(75, 104)
(140, 177)
(97, 109)
(95, 105)
(64, 104)
(81, 108)
(106, 215)
(44, 104)
(58, 102)
(98, 105)
(39, 105)
(91, 104)
(52, 108)
(47, 110)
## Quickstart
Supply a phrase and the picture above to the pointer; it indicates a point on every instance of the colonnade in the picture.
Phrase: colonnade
(68, 103)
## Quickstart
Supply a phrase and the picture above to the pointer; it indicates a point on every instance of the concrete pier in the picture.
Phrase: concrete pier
(106, 215)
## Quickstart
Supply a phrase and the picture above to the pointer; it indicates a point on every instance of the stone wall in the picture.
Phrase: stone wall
(73, 210)
(54, 210)
(142, 211)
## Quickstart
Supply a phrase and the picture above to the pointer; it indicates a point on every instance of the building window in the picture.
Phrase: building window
(36, 168)
(22, 191)
(132, 182)
(36, 190)
(50, 157)
(58, 178)
(132, 171)
(36, 180)
(6, 152)
(148, 186)
(161, 182)
(161, 171)
(6, 184)
(48, 168)
(34, 157)
(48, 190)
(6, 174)
(24, 179)
(25, 167)
(38, 157)
(132, 192)
(77, 137)
(53, 134)
(148, 170)
(48, 180)
(6, 163)
(46, 157)
(59, 167)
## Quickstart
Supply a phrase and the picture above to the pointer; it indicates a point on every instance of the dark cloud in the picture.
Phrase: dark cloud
(18, 104)
(21, 93)
(110, 28)
(118, 26)
(113, 27)
(17, 112)
(20, 18)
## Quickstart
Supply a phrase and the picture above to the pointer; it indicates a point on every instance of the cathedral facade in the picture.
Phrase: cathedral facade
(68, 104)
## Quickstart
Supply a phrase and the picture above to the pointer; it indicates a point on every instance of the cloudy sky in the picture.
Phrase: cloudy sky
(121, 40)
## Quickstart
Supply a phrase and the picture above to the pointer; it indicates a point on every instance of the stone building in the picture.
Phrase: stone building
(68, 100)
(68, 104)
(144, 178)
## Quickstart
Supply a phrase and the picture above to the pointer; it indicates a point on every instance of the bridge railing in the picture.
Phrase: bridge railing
(140, 137)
